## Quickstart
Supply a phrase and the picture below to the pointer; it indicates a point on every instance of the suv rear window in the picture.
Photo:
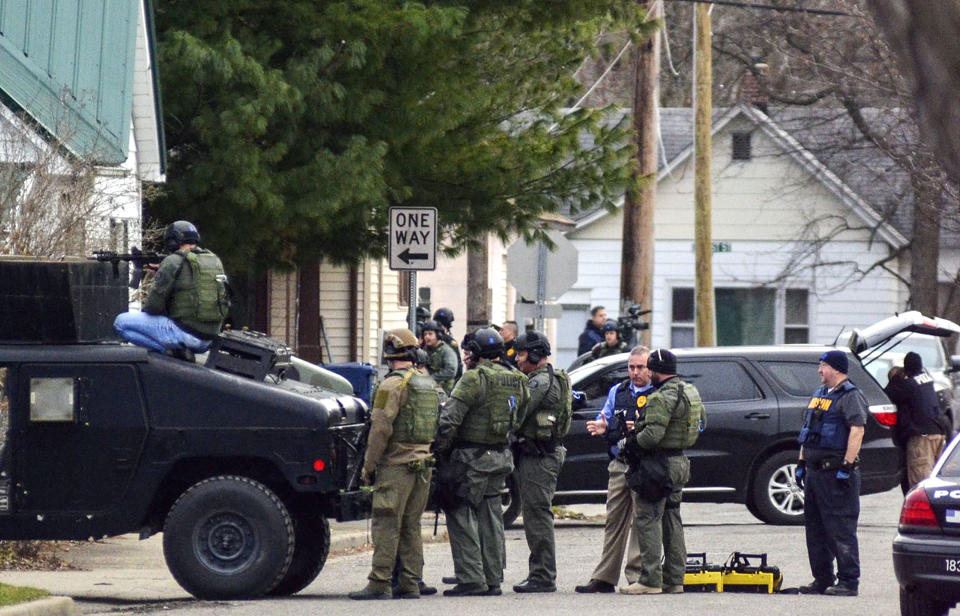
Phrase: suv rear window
(720, 381)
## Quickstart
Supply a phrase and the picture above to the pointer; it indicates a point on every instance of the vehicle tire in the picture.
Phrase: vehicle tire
(774, 494)
(310, 554)
(918, 604)
(511, 502)
(228, 537)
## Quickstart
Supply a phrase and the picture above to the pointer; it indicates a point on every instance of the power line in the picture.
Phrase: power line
(768, 7)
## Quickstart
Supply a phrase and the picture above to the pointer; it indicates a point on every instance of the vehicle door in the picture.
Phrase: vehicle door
(585, 468)
(741, 418)
(81, 430)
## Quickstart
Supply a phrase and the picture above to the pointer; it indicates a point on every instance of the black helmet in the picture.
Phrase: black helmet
(420, 357)
(444, 316)
(535, 344)
(609, 326)
(178, 233)
(485, 342)
(423, 313)
(433, 326)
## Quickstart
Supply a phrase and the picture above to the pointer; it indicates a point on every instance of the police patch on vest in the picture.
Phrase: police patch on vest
(822, 404)
(641, 402)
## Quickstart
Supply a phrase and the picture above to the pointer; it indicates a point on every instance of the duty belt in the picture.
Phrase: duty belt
(832, 463)
(479, 446)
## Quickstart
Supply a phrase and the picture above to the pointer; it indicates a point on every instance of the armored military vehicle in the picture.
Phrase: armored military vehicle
(238, 464)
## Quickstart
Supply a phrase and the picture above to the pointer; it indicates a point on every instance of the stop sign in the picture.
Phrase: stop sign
(560, 271)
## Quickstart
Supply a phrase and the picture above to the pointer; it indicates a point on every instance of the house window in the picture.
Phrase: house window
(741, 146)
(796, 326)
(404, 290)
(744, 316)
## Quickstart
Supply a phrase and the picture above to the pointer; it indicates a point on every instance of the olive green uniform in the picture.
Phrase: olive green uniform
(667, 427)
(604, 350)
(190, 288)
(442, 364)
(403, 422)
(486, 404)
(539, 456)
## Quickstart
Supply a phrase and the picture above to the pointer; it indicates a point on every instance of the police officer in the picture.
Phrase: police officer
(622, 410)
(611, 344)
(187, 303)
(539, 455)
(402, 425)
(444, 316)
(673, 419)
(828, 470)
(920, 427)
(443, 359)
(508, 331)
(486, 404)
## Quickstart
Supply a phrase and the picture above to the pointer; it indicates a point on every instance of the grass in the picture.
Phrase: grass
(12, 595)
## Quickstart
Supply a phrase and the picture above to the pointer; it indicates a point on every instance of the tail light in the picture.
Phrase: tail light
(917, 514)
(885, 414)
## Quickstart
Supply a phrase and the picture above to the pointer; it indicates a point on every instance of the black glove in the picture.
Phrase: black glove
(801, 472)
(844, 472)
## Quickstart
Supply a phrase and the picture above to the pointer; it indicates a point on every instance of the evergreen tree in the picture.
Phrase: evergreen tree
(293, 126)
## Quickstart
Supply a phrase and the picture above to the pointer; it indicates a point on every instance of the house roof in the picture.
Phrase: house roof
(826, 144)
(70, 66)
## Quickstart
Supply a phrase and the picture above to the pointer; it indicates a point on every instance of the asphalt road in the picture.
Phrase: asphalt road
(716, 529)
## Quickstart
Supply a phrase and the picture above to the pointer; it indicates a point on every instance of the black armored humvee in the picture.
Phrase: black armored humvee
(237, 463)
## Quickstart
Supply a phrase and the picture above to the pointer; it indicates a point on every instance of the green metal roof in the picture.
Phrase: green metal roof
(69, 64)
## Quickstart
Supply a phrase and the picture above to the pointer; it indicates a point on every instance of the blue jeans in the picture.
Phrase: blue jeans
(156, 332)
(831, 509)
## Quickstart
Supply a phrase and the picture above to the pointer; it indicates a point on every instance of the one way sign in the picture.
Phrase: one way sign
(413, 238)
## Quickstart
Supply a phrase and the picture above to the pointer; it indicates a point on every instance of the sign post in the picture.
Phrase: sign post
(413, 247)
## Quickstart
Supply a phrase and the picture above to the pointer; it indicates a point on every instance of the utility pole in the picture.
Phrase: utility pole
(636, 260)
(703, 143)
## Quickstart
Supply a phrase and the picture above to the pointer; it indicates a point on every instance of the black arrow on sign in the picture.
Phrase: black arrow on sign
(406, 256)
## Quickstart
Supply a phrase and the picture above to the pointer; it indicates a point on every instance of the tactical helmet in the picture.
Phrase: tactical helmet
(420, 357)
(609, 326)
(433, 326)
(423, 313)
(535, 344)
(178, 233)
(444, 316)
(485, 342)
(399, 344)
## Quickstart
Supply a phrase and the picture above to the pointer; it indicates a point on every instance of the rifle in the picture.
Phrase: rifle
(135, 256)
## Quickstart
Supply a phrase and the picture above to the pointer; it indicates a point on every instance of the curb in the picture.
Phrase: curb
(48, 606)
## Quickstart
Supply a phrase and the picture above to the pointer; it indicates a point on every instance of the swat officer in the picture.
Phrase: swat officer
(622, 410)
(539, 455)
(402, 426)
(444, 316)
(673, 419)
(443, 361)
(611, 345)
(486, 404)
(920, 427)
(828, 470)
(188, 300)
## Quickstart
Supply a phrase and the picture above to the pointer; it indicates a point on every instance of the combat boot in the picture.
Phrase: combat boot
(466, 590)
(369, 592)
(640, 589)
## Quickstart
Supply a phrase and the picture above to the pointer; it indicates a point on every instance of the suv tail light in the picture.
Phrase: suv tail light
(917, 514)
(886, 414)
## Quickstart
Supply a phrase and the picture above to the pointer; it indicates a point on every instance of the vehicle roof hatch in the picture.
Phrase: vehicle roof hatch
(912, 321)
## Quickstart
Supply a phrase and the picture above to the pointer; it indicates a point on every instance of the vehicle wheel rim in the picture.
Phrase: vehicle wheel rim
(784, 493)
(225, 543)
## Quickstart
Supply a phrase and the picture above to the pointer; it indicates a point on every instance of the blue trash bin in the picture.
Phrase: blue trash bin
(360, 375)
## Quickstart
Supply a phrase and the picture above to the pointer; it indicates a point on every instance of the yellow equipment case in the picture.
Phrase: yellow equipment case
(742, 575)
(701, 576)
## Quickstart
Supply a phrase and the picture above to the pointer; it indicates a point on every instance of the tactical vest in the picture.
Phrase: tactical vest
(493, 413)
(629, 405)
(926, 404)
(553, 415)
(688, 418)
(824, 425)
(203, 299)
(416, 421)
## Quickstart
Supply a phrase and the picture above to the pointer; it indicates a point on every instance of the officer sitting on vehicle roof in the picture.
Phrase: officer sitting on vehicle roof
(187, 303)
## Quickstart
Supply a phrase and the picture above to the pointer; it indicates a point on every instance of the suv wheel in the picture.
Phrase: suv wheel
(510, 501)
(309, 555)
(228, 537)
(920, 604)
(775, 496)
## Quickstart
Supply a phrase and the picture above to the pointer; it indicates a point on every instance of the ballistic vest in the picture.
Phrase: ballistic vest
(199, 298)
(416, 421)
(629, 405)
(926, 405)
(824, 425)
(494, 410)
(688, 417)
(551, 421)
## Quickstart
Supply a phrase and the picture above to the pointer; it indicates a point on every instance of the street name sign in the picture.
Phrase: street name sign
(413, 238)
